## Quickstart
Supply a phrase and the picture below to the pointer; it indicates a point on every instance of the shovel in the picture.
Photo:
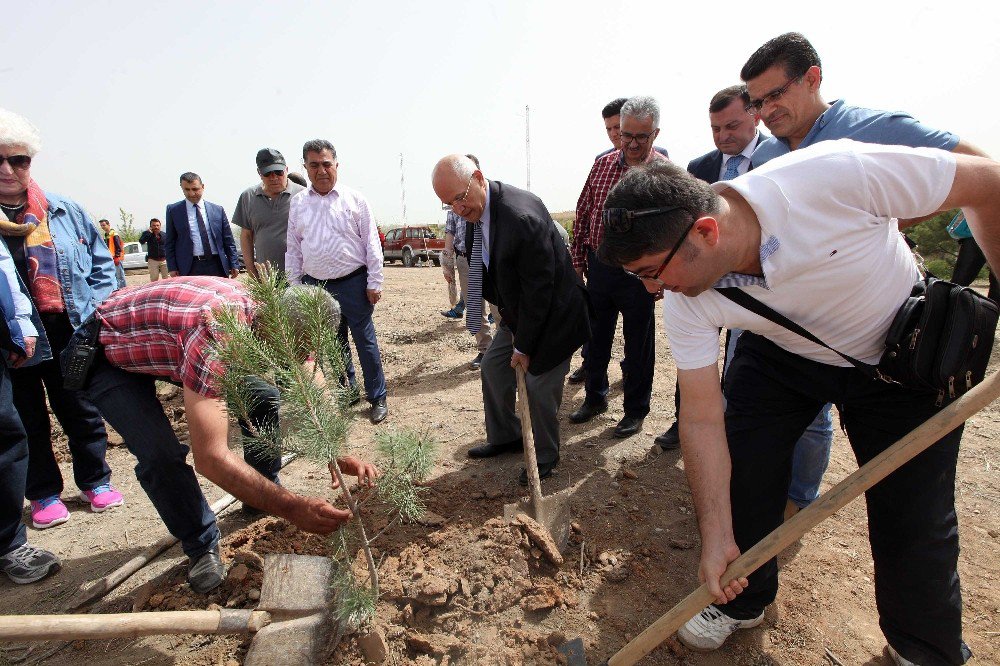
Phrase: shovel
(552, 512)
(832, 501)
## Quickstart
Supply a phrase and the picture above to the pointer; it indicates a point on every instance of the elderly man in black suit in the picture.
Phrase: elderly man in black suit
(526, 272)
(735, 134)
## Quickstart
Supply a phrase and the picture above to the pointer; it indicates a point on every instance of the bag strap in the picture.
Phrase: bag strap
(747, 301)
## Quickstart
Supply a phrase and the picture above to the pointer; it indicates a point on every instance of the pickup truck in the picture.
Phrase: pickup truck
(412, 244)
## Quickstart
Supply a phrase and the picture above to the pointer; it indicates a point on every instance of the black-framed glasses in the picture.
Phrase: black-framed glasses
(619, 220)
(16, 161)
(642, 139)
(754, 106)
(670, 255)
(459, 199)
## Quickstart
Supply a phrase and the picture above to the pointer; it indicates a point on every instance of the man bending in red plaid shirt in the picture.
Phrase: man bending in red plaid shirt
(165, 329)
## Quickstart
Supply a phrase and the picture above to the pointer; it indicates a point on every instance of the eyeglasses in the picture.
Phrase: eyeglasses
(670, 255)
(16, 161)
(619, 220)
(754, 106)
(641, 139)
(460, 199)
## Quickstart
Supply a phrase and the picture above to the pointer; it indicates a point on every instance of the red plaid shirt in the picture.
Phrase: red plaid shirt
(588, 228)
(164, 328)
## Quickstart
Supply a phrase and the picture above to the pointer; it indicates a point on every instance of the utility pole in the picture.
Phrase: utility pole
(527, 145)
(402, 187)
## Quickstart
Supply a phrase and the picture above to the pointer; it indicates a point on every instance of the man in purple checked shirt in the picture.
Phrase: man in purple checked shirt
(333, 242)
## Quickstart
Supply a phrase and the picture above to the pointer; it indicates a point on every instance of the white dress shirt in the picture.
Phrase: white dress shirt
(332, 235)
(746, 153)
(197, 250)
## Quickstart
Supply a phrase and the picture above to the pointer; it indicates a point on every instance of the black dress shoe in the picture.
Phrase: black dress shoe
(628, 426)
(588, 411)
(578, 376)
(488, 450)
(669, 440)
(379, 411)
(207, 572)
(544, 472)
(476, 362)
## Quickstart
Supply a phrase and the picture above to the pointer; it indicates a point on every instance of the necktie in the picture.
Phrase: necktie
(474, 304)
(732, 167)
(206, 246)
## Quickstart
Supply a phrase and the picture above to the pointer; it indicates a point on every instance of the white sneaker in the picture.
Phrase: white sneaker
(897, 659)
(709, 629)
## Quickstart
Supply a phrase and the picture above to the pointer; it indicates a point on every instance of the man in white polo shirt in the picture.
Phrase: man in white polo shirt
(813, 235)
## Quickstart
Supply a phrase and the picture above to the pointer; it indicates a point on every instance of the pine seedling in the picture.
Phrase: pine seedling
(289, 327)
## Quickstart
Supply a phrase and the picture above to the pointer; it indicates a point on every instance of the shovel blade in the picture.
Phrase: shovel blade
(554, 515)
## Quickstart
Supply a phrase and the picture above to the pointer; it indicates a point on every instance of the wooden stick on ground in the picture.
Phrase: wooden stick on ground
(835, 499)
(96, 589)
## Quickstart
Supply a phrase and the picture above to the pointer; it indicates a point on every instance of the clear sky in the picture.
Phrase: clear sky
(127, 95)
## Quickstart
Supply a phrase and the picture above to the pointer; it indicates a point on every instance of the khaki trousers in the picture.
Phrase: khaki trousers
(157, 269)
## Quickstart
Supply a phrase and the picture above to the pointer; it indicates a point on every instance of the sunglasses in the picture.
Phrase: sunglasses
(619, 220)
(16, 161)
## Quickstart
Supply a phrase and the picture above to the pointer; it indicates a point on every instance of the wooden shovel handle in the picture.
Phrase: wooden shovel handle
(130, 625)
(530, 460)
(834, 500)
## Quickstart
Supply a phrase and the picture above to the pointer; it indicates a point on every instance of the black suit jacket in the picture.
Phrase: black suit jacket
(708, 166)
(531, 279)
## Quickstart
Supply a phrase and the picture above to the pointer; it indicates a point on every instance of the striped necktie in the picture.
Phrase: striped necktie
(733, 167)
(474, 301)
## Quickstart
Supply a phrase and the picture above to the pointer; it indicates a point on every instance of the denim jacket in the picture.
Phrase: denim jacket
(86, 271)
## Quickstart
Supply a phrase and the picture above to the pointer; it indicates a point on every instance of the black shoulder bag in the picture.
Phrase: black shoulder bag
(940, 339)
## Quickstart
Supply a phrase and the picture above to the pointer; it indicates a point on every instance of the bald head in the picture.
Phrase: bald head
(458, 182)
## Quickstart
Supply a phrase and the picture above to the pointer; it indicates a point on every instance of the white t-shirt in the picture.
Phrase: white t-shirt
(835, 261)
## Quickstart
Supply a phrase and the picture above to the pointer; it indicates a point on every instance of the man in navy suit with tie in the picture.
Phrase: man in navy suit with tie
(198, 240)
(735, 134)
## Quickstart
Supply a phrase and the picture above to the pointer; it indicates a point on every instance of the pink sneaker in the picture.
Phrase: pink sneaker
(48, 512)
(102, 497)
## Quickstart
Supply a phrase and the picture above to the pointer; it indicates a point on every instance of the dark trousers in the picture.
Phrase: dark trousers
(355, 309)
(13, 468)
(968, 264)
(211, 266)
(79, 418)
(612, 291)
(128, 401)
(772, 396)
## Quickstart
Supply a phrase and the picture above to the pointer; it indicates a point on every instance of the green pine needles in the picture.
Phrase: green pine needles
(290, 353)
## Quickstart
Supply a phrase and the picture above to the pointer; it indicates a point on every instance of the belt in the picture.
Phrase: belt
(309, 279)
(205, 257)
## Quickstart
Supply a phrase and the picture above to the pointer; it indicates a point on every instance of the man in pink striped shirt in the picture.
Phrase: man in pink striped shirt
(333, 242)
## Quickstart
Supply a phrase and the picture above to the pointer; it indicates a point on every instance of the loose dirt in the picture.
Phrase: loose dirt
(463, 587)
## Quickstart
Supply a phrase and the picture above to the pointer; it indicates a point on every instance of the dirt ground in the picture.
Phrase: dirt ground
(463, 587)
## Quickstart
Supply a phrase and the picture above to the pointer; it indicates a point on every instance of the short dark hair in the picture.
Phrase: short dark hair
(613, 108)
(658, 184)
(318, 146)
(475, 160)
(791, 50)
(154, 220)
(725, 97)
(297, 178)
(190, 177)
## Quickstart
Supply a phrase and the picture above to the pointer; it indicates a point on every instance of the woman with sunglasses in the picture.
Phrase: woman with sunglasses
(63, 262)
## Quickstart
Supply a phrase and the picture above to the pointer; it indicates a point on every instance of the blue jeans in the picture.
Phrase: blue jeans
(356, 311)
(812, 451)
(13, 468)
(128, 402)
(120, 275)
